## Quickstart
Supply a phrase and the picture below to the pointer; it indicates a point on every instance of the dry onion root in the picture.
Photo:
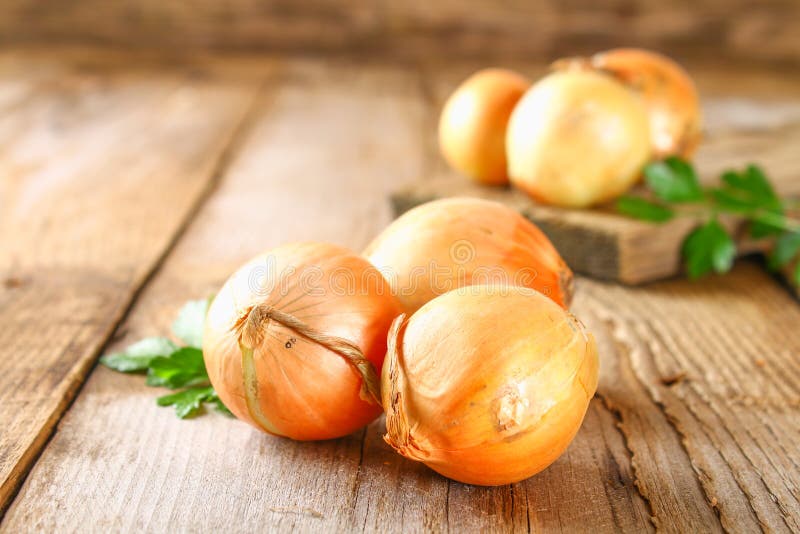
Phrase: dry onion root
(472, 127)
(456, 242)
(487, 385)
(295, 339)
(667, 91)
(577, 139)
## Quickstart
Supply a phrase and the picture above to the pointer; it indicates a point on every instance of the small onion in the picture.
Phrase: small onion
(488, 384)
(472, 127)
(456, 242)
(667, 91)
(577, 139)
(295, 339)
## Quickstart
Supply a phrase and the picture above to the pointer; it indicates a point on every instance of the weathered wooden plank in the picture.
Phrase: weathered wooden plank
(747, 120)
(315, 167)
(100, 169)
(333, 140)
(479, 28)
(716, 360)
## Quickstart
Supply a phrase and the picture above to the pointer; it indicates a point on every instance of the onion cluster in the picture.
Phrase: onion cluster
(487, 375)
(487, 380)
(581, 135)
(472, 127)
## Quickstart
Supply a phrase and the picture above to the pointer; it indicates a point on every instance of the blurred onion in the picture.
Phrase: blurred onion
(472, 127)
(577, 139)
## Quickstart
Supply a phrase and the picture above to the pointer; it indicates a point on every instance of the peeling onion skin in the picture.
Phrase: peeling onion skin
(300, 389)
(455, 242)
(472, 126)
(577, 139)
(666, 89)
(487, 385)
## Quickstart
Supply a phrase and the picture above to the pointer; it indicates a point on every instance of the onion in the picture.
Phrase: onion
(293, 340)
(472, 127)
(487, 385)
(667, 91)
(577, 139)
(456, 242)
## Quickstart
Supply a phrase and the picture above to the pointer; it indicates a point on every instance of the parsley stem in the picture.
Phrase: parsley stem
(776, 221)
(708, 210)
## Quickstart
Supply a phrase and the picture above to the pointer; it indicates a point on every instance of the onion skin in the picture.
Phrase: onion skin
(455, 242)
(472, 126)
(290, 385)
(577, 139)
(487, 385)
(666, 89)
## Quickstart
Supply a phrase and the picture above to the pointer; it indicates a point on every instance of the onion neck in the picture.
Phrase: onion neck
(398, 430)
(251, 329)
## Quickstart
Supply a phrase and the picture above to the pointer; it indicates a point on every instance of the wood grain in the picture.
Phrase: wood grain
(732, 29)
(718, 362)
(154, 472)
(747, 119)
(81, 223)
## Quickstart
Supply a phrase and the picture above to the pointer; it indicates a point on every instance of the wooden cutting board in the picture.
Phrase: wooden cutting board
(605, 245)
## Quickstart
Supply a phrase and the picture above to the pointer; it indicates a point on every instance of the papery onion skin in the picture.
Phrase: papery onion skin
(455, 242)
(667, 90)
(487, 385)
(300, 389)
(472, 126)
(577, 139)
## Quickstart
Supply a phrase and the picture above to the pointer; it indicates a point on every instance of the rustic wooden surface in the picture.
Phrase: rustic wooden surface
(81, 221)
(716, 29)
(697, 417)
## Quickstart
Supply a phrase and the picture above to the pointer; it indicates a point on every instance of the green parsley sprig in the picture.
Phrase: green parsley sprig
(171, 366)
(676, 191)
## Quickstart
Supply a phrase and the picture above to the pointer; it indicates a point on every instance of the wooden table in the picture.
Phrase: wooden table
(129, 184)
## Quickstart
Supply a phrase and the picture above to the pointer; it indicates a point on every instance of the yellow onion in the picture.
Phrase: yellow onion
(456, 242)
(488, 384)
(472, 127)
(666, 89)
(576, 139)
(295, 339)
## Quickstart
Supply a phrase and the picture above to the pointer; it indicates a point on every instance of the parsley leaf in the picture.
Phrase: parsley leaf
(747, 193)
(174, 367)
(674, 180)
(786, 247)
(188, 327)
(643, 209)
(184, 367)
(136, 358)
(189, 401)
(753, 185)
(709, 248)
